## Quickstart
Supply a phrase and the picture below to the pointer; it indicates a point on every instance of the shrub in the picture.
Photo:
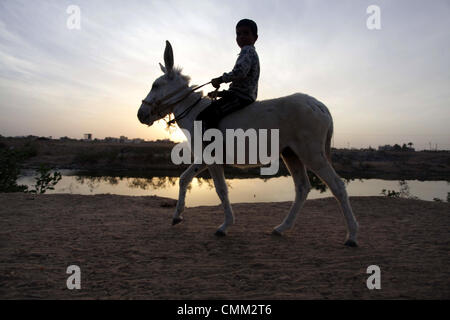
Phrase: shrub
(10, 165)
(403, 193)
(45, 181)
(390, 193)
(10, 162)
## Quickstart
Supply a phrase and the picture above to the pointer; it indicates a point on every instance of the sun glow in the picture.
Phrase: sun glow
(177, 135)
(173, 133)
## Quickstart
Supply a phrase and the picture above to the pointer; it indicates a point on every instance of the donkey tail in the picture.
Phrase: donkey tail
(328, 142)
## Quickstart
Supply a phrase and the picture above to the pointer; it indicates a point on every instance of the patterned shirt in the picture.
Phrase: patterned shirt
(245, 74)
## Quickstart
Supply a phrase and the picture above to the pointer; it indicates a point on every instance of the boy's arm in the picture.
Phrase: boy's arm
(240, 70)
(242, 66)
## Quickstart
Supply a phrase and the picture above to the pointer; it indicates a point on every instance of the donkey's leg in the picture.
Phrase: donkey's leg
(218, 176)
(185, 179)
(302, 188)
(326, 172)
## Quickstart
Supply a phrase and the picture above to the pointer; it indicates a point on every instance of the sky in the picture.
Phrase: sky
(383, 86)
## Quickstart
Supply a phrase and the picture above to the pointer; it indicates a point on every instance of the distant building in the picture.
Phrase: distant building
(164, 141)
(88, 136)
(111, 139)
(386, 147)
(66, 138)
(123, 139)
(395, 147)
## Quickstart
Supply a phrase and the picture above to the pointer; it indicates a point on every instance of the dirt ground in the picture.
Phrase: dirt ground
(126, 248)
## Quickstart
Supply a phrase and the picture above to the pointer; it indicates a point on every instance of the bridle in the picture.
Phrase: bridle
(157, 103)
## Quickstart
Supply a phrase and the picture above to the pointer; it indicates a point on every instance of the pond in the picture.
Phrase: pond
(201, 191)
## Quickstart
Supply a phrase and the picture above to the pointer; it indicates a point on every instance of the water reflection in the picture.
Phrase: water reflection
(202, 192)
(154, 183)
(158, 183)
(93, 182)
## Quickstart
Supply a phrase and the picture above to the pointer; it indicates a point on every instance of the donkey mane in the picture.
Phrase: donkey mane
(178, 70)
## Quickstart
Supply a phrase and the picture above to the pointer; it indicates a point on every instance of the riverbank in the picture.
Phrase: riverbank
(127, 249)
(127, 159)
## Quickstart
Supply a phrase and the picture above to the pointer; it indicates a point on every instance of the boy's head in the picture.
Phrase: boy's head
(246, 32)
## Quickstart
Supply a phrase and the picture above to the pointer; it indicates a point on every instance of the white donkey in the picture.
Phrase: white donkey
(305, 129)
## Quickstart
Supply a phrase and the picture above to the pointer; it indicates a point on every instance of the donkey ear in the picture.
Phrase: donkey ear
(168, 57)
(163, 69)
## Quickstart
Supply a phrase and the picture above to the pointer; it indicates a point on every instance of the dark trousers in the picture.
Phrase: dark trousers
(228, 103)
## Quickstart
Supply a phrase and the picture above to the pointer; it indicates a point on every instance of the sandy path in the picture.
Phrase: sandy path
(127, 249)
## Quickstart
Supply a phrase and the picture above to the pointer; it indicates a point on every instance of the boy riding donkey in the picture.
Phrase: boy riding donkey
(244, 79)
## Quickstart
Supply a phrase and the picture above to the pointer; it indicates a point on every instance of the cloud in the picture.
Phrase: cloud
(392, 80)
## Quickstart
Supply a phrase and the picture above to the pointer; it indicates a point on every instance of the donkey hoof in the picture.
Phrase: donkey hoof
(351, 243)
(277, 233)
(176, 221)
(220, 233)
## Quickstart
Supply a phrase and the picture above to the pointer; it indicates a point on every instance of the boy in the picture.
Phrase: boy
(244, 78)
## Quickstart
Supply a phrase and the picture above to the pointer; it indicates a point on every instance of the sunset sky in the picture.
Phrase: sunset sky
(382, 86)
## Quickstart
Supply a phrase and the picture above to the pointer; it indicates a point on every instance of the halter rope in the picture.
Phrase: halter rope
(186, 111)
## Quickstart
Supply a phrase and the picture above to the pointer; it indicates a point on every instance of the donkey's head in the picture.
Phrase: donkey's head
(165, 91)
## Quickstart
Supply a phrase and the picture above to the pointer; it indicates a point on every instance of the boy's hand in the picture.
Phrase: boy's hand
(213, 94)
(216, 82)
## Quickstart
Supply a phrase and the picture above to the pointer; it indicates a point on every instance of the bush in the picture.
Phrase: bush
(390, 193)
(403, 193)
(10, 165)
(45, 181)
(10, 162)
(316, 183)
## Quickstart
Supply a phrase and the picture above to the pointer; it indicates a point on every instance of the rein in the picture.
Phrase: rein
(170, 95)
(186, 111)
